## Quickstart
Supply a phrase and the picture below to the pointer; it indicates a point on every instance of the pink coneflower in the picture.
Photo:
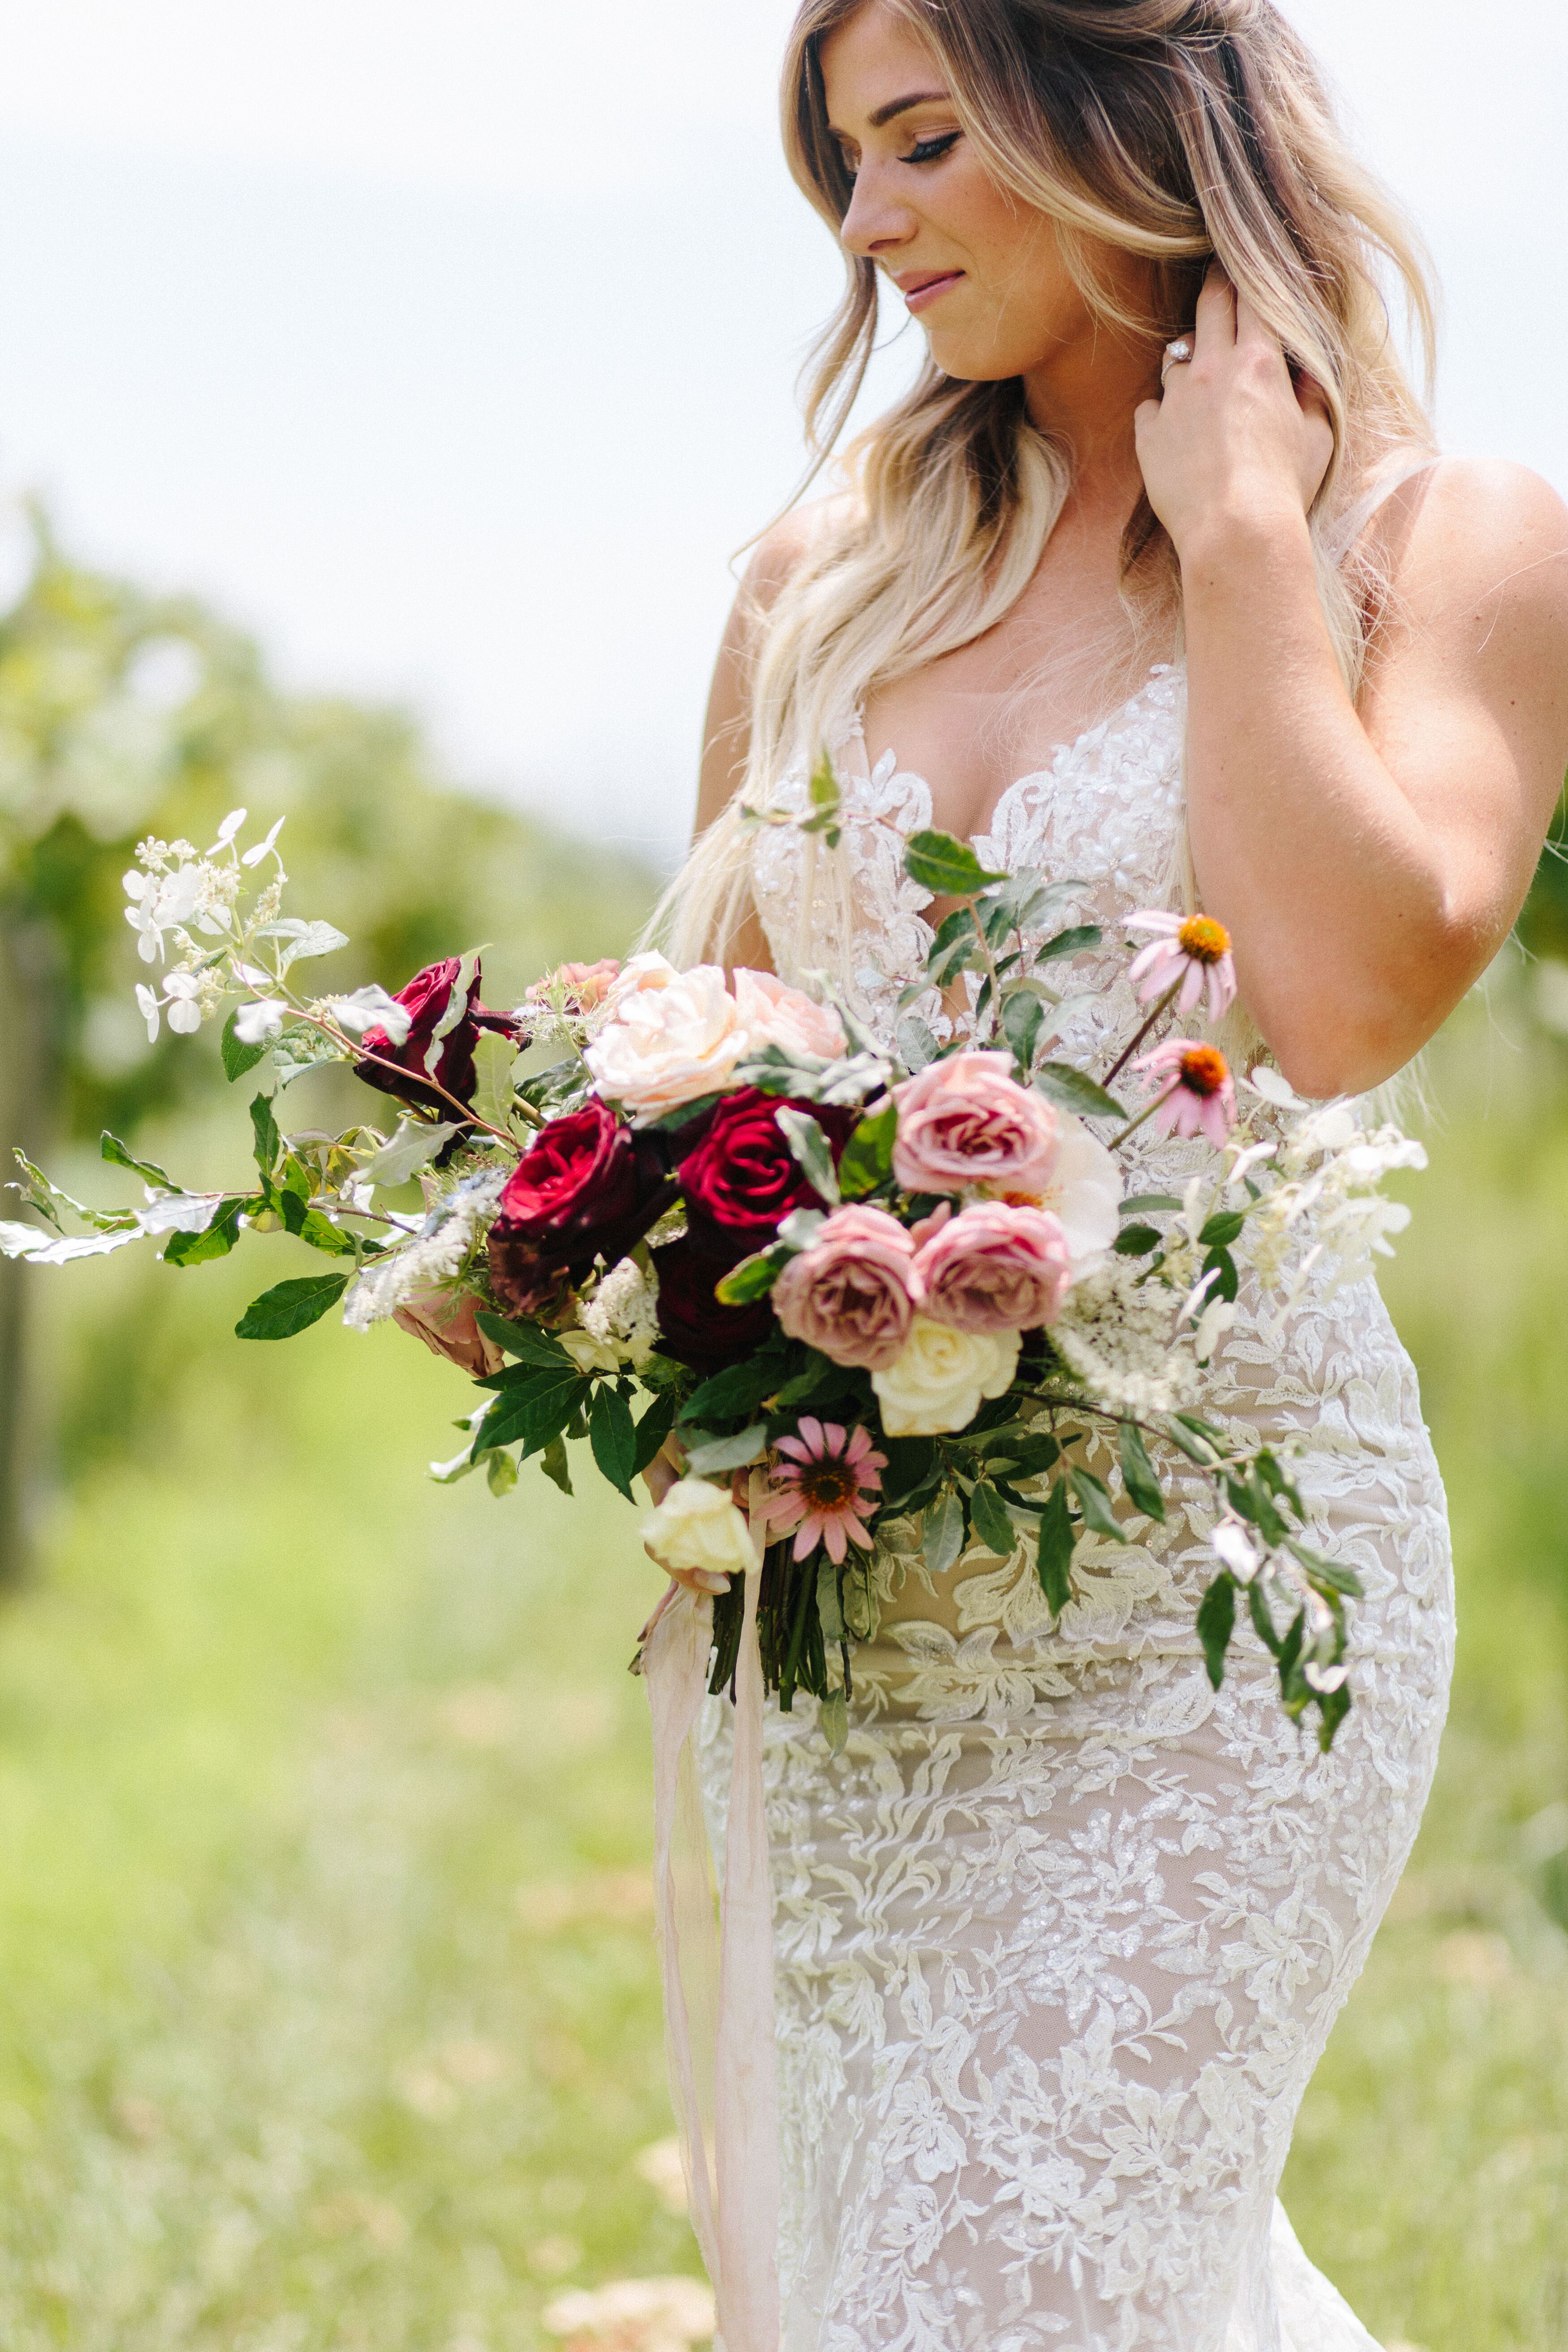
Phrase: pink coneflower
(1198, 1093)
(1192, 948)
(829, 1482)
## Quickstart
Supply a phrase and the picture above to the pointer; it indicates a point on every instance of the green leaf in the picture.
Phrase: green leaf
(268, 1142)
(1139, 1475)
(868, 1157)
(682, 1115)
(943, 1532)
(1074, 1090)
(711, 1459)
(1196, 1449)
(738, 1389)
(958, 928)
(946, 868)
(1220, 1263)
(1026, 901)
(1031, 1456)
(495, 1058)
(199, 1249)
(992, 1523)
(830, 1615)
(1222, 1230)
(1070, 943)
(910, 1461)
(1138, 1241)
(832, 1721)
(1094, 1501)
(114, 1151)
(523, 1340)
(1333, 1706)
(916, 1046)
(291, 1306)
(1054, 1561)
(652, 1430)
(414, 1146)
(1326, 1571)
(1022, 1017)
(824, 789)
(752, 1279)
(1217, 1623)
(1252, 1501)
(613, 1436)
(1263, 1623)
(1149, 1205)
(302, 1048)
(814, 1390)
(309, 1225)
(535, 1411)
(238, 1057)
(500, 1472)
(812, 1152)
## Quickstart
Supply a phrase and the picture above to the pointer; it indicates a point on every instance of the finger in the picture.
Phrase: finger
(1313, 399)
(1253, 332)
(1146, 413)
(1215, 328)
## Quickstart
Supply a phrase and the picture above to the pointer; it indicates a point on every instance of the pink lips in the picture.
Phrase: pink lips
(924, 291)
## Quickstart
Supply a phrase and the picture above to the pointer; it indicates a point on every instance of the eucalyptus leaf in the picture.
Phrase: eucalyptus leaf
(941, 1532)
(1075, 1090)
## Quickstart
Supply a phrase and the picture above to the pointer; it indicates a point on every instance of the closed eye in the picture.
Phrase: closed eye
(926, 151)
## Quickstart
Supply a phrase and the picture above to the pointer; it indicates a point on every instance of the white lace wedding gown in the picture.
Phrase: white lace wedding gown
(1062, 1934)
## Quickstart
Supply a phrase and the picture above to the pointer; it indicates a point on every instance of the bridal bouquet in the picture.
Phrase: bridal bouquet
(886, 1301)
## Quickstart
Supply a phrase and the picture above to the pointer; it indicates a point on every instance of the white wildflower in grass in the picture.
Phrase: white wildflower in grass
(437, 1253)
(623, 1313)
(1116, 1333)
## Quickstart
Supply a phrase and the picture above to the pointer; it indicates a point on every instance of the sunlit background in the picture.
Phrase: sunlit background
(399, 381)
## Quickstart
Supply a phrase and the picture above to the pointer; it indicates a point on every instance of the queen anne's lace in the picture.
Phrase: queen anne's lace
(1061, 1934)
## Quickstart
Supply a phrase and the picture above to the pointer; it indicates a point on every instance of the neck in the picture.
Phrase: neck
(1084, 396)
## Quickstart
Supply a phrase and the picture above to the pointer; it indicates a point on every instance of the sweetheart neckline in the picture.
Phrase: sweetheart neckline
(1103, 729)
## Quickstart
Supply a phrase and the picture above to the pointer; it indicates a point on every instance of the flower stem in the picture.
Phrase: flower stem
(1148, 1112)
(1161, 1009)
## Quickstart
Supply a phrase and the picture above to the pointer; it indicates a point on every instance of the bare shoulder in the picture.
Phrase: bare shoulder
(1482, 539)
(780, 553)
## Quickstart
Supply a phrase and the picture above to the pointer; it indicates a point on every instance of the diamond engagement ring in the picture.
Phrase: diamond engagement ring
(1177, 354)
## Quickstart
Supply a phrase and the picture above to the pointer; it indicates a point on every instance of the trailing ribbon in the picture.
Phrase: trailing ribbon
(718, 1985)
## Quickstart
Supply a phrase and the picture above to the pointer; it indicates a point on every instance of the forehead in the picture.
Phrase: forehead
(871, 60)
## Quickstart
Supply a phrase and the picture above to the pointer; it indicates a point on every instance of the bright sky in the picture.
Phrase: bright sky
(450, 344)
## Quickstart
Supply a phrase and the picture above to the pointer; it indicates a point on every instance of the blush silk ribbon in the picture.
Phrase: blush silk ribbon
(718, 1979)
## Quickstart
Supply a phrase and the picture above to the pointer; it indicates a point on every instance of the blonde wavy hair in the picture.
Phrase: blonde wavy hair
(1180, 131)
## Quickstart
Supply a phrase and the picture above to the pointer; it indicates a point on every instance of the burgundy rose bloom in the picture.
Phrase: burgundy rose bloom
(426, 997)
(693, 1327)
(588, 1187)
(742, 1180)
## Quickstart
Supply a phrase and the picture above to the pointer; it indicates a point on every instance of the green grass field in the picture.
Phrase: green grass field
(332, 2016)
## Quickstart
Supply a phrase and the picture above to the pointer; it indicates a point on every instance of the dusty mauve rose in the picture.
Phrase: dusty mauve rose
(776, 1014)
(578, 986)
(444, 1319)
(742, 1179)
(995, 1269)
(426, 997)
(588, 1186)
(966, 1121)
(850, 1293)
(693, 1327)
(671, 1037)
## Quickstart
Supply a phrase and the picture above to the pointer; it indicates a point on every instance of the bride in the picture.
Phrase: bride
(1061, 1934)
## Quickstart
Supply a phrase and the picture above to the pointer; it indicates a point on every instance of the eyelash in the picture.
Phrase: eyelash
(927, 151)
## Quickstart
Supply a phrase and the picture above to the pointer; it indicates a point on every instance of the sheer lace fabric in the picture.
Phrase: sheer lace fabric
(1062, 1934)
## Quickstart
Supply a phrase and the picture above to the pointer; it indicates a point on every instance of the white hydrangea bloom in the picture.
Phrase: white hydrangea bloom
(623, 1313)
(435, 1254)
(1115, 1333)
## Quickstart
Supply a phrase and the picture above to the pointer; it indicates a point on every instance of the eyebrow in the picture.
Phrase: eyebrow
(902, 105)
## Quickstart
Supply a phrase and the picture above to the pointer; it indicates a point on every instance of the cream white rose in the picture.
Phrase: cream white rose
(670, 1040)
(1084, 1192)
(699, 1535)
(937, 1383)
(775, 1014)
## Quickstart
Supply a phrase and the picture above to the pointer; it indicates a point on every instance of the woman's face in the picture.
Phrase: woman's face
(982, 270)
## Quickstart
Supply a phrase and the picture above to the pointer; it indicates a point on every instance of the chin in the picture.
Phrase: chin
(959, 358)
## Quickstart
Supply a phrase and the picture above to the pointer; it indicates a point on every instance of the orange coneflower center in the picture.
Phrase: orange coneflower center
(1204, 940)
(1204, 1070)
(827, 1485)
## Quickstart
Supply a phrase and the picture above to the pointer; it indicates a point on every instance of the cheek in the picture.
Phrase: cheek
(1020, 301)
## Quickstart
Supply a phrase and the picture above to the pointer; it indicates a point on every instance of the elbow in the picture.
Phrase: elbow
(1348, 1048)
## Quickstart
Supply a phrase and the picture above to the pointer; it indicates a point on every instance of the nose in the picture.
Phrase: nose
(875, 222)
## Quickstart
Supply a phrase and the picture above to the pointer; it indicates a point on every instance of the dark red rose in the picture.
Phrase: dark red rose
(742, 1179)
(427, 996)
(693, 1327)
(588, 1186)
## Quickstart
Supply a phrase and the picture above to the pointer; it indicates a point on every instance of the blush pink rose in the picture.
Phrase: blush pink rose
(851, 1294)
(773, 1014)
(966, 1121)
(995, 1269)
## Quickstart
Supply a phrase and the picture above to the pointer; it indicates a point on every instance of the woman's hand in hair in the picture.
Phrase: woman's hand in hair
(1236, 442)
